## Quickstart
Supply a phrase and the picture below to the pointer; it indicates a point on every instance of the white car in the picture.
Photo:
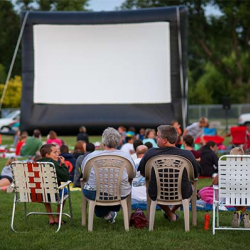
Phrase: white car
(11, 118)
(244, 119)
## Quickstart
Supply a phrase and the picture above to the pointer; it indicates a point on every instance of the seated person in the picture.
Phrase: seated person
(70, 160)
(79, 149)
(32, 144)
(110, 140)
(166, 139)
(150, 137)
(53, 138)
(90, 147)
(188, 143)
(82, 136)
(177, 126)
(22, 139)
(209, 160)
(136, 143)
(128, 146)
(50, 153)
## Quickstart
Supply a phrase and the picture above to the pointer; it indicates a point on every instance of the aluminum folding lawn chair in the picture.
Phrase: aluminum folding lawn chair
(37, 183)
(233, 188)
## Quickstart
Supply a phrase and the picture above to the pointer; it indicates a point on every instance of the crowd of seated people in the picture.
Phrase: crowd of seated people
(137, 148)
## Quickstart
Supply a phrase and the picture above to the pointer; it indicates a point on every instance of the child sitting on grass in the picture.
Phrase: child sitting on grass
(240, 213)
(50, 153)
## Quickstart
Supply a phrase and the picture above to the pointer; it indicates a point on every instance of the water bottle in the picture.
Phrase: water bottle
(206, 221)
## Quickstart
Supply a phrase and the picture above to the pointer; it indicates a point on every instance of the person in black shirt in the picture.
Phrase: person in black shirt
(82, 136)
(166, 139)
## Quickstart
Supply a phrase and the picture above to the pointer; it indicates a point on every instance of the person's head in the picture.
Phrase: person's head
(142, 131)
(203, 122)
(188, 140)
(10, 160)
(148, 144)
(24, 133)
(211, 145)
(80, 146)
(49, 151)
(64, 149)
(110, 138)
(129, 139)
(121, 129)
(52, 134)
(23, 137)
(150, 133)
(90, 147)
(166, 136)
(137, 143)
(37, 133)
(82, 129)
(175, 124)
(237, 151)
(141, 150)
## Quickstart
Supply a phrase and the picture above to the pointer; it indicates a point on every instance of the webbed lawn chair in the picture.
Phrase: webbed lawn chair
(108, 171)
(168, 171)
(37, 183)
(233, 188)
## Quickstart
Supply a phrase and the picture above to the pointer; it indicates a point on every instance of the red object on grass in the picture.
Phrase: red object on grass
(215, 138)
(206, 221)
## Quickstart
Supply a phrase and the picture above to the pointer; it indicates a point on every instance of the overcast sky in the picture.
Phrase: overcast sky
(102, 5)
(105, 5)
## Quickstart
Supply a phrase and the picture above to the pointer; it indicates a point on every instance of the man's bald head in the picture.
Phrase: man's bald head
(141, 150)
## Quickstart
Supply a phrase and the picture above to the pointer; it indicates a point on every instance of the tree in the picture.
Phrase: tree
(9, 30)
(55, 5)
(220, 43)
(13, 94)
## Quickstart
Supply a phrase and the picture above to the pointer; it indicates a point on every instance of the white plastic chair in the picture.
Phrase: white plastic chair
(108, 172)
(166, 165)
(36, 182)
(233, 188)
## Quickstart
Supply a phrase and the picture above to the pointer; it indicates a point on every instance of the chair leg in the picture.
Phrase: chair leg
(129, 206)
(148, 200)
(185, 204)
(13, 214)
(25, 212)
(60, 216)
(91, 215)
(125, 214)
(214, 218)
(194, 210)
(84, 210)
(152, 215)
(70, 205)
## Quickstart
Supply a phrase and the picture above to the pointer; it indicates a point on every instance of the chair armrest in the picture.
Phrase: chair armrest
(64, 184)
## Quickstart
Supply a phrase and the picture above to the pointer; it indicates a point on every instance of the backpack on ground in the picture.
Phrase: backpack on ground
(138, 219)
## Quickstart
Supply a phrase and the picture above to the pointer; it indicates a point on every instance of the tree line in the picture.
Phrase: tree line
(218, 53)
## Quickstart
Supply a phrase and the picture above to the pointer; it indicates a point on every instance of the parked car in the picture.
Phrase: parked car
(244, 119)
(10, 121)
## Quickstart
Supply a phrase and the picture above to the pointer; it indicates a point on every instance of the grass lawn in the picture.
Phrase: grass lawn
(166, 235)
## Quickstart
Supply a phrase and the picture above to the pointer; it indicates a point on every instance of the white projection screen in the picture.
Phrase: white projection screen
(101, 69)
(103, 59)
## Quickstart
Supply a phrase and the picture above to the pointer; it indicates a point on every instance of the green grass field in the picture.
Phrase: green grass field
(166, 235)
